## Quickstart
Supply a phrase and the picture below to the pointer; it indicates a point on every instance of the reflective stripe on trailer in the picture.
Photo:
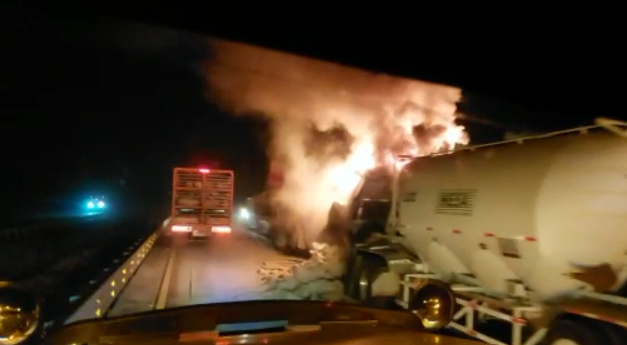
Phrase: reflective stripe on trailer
(491, 234)
(497, 314)
(464, 321)
(519, 238)
(597, 317)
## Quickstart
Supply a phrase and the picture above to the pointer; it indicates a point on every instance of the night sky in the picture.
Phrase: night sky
(112, 106)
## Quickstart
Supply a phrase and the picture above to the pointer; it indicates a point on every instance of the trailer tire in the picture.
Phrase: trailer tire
(615, 334)
(571, 332)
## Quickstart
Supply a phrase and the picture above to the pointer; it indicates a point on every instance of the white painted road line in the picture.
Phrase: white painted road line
(165, 284)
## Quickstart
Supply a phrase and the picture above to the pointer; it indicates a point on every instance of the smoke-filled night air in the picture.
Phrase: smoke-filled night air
(177, 173)
(330, 123)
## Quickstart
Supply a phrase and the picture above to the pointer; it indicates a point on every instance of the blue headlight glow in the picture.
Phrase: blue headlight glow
(90, 204)
(101, 204)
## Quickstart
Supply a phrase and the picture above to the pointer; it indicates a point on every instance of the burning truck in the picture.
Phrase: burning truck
(293, 216)
(276, 220)
(543, 252)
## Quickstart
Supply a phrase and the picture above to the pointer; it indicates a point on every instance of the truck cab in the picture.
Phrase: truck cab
(369, 216)
(202, 203)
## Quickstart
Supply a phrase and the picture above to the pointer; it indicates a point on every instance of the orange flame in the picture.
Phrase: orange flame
(383, 116)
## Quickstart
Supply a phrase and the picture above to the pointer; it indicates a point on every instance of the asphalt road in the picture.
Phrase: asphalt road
(220, 270)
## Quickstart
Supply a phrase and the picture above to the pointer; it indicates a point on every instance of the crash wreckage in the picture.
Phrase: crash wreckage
(539, 245)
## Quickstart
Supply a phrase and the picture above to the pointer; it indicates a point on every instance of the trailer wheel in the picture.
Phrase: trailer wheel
(615, 334)
(570, 332)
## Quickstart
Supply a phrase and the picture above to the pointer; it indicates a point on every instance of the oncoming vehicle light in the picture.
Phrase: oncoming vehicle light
(96, 203)
(244, 214)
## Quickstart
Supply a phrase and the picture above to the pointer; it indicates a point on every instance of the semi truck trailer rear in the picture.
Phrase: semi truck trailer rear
(202, 203)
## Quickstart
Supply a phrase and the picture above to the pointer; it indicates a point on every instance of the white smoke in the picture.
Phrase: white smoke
(331, 123)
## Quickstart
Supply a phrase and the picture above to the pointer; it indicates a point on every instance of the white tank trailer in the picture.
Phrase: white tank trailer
(530, 231)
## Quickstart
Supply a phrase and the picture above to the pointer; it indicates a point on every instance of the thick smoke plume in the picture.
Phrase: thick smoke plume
(331, 123)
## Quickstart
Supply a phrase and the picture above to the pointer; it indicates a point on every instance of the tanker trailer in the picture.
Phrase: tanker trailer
(529, 231)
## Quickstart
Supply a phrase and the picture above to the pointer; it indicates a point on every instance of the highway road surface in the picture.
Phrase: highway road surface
(220, 270)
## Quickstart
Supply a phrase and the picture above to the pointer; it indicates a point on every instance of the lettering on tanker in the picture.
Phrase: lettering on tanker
(458, 202)
(409, 197)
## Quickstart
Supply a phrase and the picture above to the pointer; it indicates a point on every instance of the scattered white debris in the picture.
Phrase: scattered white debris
(317, 278)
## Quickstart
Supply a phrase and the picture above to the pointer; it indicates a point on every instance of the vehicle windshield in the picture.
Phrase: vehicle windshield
(219, 171)
(155, 174)
(301, 253)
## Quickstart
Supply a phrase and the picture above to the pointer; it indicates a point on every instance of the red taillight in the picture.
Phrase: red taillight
(221, 229)
(204, 171)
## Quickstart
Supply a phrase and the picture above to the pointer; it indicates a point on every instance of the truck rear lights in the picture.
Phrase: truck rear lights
(181, 228)
(223, 229)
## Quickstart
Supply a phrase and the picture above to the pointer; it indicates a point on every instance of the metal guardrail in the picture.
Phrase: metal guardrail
(33, 229)
(98, 304)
